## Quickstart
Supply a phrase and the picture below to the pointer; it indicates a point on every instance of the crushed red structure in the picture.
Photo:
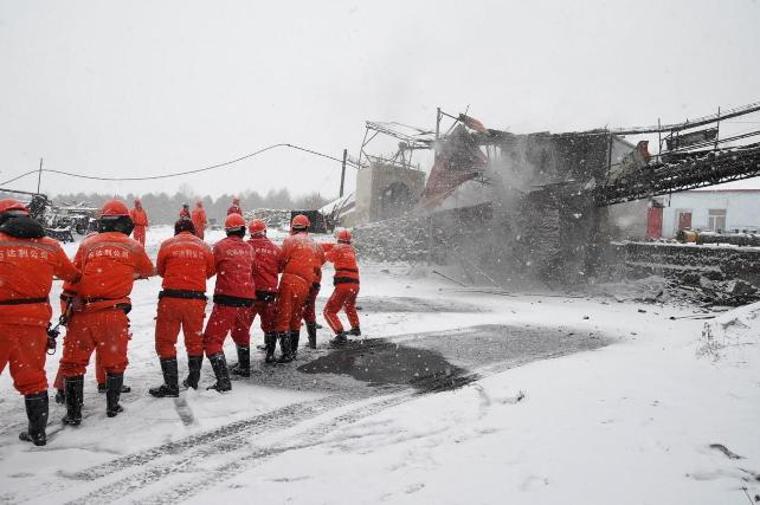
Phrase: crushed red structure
(458, 159)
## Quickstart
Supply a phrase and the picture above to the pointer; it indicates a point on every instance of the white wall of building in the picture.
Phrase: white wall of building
(742, 209)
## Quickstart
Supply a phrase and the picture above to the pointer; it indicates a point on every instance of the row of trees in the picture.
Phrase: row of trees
(164, 209)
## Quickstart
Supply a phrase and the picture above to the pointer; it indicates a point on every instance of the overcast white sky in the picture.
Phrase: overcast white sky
(146, 87)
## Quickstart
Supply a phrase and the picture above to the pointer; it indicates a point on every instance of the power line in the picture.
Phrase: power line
(175, 174)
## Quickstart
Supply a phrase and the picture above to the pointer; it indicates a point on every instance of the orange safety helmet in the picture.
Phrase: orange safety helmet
(14, 206)
(257, 227)
(344, 236)
(234, 221)
(300, 222)
(113, 209)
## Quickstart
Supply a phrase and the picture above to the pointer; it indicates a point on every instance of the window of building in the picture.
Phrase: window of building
(716, 219)
(684, 220)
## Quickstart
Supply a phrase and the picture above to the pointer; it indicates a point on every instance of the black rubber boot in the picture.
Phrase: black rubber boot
(356, 332)
(170, 387)
(243, 366)
(270, 343)
(74, 393)
(60, 396)
(311, 330)
(37, 413)
(286, 348)
(194, 364)
(102, 388)
(295, 337)
(339, 340)
(219, 364)
(114, 382)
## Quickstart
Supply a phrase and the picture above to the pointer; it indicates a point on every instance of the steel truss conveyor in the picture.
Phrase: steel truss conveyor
(661, 178)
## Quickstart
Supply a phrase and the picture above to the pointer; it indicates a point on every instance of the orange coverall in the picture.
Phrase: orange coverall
(185, 262)
(301, 259)
(140, 219)
(199, 222)
(67, 297)
(346, 281)
(27, 267)
(110, 262)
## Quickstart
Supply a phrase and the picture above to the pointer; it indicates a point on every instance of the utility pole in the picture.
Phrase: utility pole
(343, 172)
(437, 128)
(39, 177)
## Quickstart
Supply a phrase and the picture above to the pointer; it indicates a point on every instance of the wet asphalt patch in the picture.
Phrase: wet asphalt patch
(380, 361)
(438, 361)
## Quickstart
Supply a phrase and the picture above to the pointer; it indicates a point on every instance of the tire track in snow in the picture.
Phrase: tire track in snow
(247, 457)
(284, 417)
(235, 448)
(162, 459)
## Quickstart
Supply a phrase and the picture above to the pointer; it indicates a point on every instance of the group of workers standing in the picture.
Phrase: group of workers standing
(253, 277)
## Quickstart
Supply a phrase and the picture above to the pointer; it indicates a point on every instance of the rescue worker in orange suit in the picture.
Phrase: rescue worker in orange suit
(199, 220)
(67, 297)
(140, 221)
(265, 279)
(184, 212)
(301, 259)
(234, 295)
(235, 207)
(346, 282)
(110, 262)
(185, 262)
(310, 308)
(28, 262)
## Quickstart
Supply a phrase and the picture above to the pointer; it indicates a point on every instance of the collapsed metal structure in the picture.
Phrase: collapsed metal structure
(60, 222)
(559, 227)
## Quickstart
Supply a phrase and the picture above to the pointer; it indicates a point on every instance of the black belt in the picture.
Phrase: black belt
(233, 301)
(125, 307)
(352, 270)
(98, 299)
(24, 301)
(266, 296)
(182, 293)
(344, 280)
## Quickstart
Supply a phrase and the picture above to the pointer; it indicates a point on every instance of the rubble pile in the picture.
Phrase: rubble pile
(440, 238)
(274, 218)
(727, 276)
(405, 238)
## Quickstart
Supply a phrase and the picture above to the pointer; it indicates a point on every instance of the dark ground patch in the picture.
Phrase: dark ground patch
(426, 360)
(379, 361)
(513, 345)
(411, 304)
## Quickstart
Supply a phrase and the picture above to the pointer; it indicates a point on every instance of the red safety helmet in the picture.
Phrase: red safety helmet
(257, 227)
(113, 209)
(344, 236)
(300, 222)
(13, 206)
(234, 221)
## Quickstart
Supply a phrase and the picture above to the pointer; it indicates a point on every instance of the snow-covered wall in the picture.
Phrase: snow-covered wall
(728, 275)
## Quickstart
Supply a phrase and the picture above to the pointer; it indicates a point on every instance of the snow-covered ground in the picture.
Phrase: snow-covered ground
(568, 400)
